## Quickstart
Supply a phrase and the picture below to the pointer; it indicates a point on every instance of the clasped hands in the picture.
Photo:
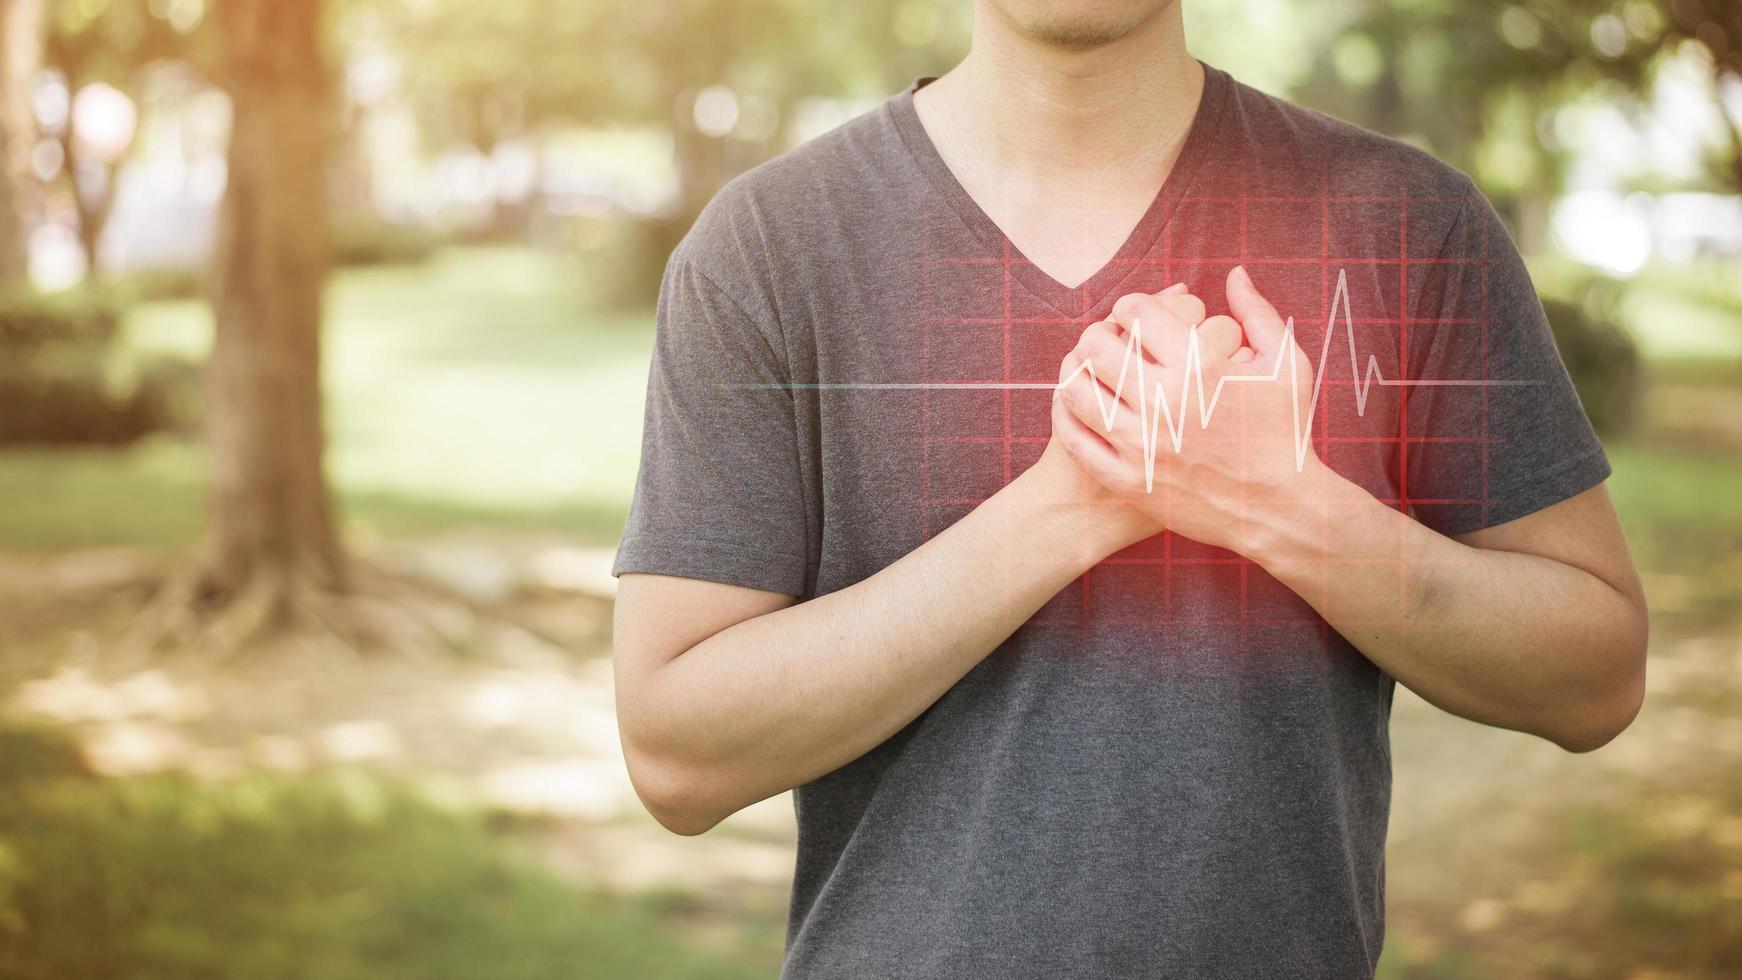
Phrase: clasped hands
(1229, 456)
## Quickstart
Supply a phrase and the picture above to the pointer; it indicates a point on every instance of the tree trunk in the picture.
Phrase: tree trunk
(92, 209)
(270, 514)
(20, 53)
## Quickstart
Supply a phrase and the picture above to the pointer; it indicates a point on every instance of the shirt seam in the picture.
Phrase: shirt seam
(785, 367)
(1440, 252)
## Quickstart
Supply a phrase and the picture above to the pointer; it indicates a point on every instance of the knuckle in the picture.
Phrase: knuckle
(1122, 307)
(1150, 309)
(1185, 306)
(1103, 349)
(1137, 306)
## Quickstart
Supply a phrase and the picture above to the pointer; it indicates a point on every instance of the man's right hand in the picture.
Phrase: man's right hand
(1112, 522)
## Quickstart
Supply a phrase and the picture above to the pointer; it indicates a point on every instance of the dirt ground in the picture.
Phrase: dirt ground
(522, 722)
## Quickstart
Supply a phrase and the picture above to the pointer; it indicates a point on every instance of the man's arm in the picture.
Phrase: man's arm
(1537, 625)
(728, 695)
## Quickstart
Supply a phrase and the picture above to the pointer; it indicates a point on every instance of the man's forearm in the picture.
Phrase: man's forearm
(786, 697)
(1510, 639)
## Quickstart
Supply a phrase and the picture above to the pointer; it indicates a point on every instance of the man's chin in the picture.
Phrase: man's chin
(1075, 35)
(1079, 32)
(1079, 23)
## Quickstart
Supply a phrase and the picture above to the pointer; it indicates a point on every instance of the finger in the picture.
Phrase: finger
(1219, 337)
(1188, 307)
(1263, 326)
(1094, 406)
(1076, 381)
(1164, 320)
(1244, 355)
(1119, 335)
(1116, 361)
(1083, 442)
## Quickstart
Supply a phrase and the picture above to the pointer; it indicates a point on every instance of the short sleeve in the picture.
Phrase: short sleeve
(1481, 454)
(719, 494)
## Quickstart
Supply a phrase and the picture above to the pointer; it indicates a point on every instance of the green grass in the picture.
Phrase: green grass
(477, 388)
(1687, 314)
(1682, 509)
(152, 495)
(341, 876)
(1672, 488)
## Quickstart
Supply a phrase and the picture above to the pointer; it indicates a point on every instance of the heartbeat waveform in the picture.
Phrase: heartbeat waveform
(1150, 429)
(1151, 421)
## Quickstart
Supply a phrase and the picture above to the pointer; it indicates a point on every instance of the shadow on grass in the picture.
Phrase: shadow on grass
(334, 876)
(1645, 888)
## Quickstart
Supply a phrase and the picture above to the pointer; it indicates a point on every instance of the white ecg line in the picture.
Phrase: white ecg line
(1150, 430)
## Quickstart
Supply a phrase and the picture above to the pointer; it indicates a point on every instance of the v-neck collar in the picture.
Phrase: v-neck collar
(1072, 301)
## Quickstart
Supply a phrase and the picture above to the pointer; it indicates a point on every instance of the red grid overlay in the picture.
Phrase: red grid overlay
(982, 325)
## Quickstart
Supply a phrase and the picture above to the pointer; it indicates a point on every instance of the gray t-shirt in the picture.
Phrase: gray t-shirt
(1175, 768)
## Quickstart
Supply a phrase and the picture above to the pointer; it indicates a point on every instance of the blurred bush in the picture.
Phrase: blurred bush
(59, 382)
(622, 259)
(151, 285)
(359, 242)
(37, 325)
(1600, 355)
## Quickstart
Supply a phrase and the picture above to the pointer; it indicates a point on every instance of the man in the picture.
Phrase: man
(1082, 685)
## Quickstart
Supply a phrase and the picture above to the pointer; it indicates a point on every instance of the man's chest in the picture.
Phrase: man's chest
(932, 396)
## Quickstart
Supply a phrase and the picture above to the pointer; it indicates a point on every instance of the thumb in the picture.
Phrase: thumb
(1260, 321)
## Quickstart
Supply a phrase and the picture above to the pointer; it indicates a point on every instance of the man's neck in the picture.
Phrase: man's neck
(1037, 111)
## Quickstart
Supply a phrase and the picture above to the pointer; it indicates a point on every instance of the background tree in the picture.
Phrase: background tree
(20, 51)
(270, 548)
(113, 42)
(270, 513)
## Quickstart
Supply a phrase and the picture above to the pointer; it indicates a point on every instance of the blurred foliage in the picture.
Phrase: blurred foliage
(58, 382)
(484, 73)
(340, 876)
(621, 261)
(116, 43)
(1473, 80)
(111, 40)
(149, 285)
(361, 240)
(36, 327)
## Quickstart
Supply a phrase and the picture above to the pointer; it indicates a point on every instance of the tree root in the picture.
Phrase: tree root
(381, 611)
